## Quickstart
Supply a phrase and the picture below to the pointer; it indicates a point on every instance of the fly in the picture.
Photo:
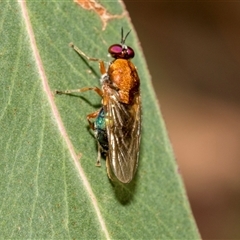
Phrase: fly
(117, 124)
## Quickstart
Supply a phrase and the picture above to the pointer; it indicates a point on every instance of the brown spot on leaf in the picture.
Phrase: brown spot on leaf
(104, 15)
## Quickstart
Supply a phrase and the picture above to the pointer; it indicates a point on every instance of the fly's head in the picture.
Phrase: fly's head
(121, 51)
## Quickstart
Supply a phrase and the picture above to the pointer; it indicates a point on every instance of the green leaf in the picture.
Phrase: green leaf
(50, 187)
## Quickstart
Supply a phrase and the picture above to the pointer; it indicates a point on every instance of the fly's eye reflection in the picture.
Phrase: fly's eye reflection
(117, 124)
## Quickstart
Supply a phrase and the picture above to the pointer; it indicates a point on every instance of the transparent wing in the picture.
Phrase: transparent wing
(123, 123)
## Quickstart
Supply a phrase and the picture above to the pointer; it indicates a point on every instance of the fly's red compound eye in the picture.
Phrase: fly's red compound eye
(121, 51)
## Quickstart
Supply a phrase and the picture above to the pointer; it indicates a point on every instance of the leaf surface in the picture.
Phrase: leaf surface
(49, 186)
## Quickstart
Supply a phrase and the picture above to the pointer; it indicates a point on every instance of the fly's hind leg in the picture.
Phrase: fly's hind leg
(98, 163)
(91, 116)
(109, 171)
(91, 125)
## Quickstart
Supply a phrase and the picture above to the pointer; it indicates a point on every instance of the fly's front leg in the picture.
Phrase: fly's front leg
(91, 124)
(81, 53)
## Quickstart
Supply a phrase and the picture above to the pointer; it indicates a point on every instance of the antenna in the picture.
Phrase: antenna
(123, 39)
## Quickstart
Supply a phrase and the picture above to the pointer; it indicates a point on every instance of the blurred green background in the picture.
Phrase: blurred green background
(193, 54)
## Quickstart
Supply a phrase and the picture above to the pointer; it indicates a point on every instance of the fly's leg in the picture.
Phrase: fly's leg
(109, 172)
(81, 53)
(80, 90)
(98, 163)
(91, 124)
(91, 116)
